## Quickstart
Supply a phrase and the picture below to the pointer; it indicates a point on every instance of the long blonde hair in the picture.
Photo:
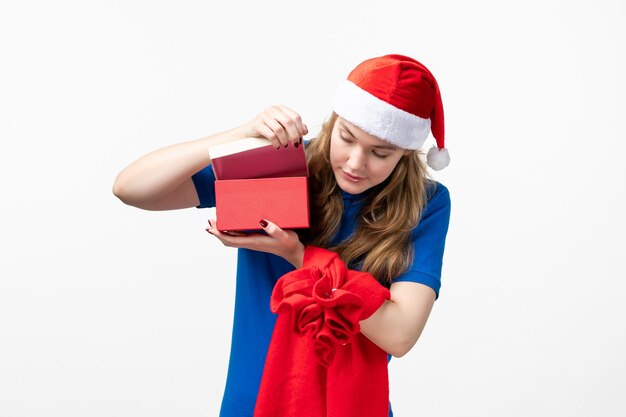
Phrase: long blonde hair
(381, 240)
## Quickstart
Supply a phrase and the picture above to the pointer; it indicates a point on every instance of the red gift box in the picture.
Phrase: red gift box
(241, 203)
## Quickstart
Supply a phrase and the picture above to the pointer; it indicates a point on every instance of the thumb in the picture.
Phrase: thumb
(271, 228)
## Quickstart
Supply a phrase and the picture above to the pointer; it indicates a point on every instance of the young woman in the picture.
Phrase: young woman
(371, 201)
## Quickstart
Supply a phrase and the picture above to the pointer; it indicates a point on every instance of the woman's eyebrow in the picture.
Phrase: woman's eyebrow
(390, 147)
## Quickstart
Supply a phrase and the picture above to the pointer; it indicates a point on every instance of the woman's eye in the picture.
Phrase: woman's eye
(374, 152)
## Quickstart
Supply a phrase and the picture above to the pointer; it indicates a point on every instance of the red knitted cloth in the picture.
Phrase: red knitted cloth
(318, 363)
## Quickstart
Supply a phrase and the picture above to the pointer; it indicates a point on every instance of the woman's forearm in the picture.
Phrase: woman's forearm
(158, 173)
(397, 325)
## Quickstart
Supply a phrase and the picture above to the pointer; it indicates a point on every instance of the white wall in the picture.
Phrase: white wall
(106, 309)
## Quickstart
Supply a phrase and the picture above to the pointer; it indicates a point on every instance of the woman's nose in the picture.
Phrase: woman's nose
(356, 160)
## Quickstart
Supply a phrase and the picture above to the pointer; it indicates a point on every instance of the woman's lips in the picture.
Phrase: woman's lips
(352, 177)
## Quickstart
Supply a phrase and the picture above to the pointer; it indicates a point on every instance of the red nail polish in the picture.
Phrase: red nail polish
(263, 223)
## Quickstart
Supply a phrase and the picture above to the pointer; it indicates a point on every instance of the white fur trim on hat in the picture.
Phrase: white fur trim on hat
(379, 118)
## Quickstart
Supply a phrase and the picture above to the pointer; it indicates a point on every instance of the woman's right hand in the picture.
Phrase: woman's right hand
(279, 124)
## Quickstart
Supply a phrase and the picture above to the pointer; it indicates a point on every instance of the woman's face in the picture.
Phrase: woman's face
(360, 160)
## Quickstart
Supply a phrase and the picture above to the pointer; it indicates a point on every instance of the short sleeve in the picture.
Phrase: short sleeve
(204, 181)
(429, 238)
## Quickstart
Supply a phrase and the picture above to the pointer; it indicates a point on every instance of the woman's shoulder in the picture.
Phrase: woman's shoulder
(436, 213)
(436, 191)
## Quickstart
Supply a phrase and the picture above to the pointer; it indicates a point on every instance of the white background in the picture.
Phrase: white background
(106, 309)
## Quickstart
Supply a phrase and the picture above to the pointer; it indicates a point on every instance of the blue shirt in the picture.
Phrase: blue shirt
(258, 272)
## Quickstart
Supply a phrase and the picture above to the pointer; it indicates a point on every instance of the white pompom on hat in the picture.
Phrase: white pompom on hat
(397, 99)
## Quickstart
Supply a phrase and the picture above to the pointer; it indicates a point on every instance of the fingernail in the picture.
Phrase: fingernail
(263, 223)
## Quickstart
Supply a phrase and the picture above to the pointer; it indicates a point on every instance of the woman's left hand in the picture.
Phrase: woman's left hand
(284, 243)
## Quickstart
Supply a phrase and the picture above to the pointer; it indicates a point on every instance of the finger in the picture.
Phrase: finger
(224, 236)
(287, 120)
(212, 229)
(254, 241)
(269, 134)
(272, 229)
(277, 130)
(233, 233)
(299, 125)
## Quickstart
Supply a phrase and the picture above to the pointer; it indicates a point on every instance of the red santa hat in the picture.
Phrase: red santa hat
(397, 99)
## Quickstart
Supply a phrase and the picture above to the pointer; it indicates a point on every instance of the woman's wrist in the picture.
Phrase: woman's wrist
(298, 258)
(244, 131)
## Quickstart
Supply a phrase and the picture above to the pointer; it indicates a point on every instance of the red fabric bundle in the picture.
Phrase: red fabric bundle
(318, 363)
